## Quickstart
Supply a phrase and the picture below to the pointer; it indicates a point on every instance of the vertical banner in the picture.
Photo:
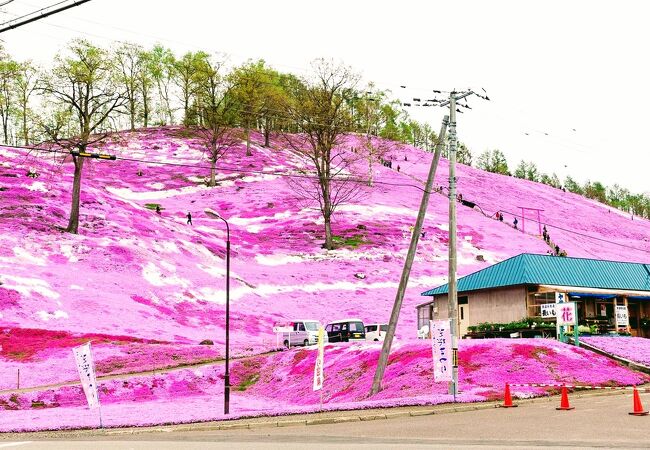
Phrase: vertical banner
(86, 368)
(441, 348)
(318, 367)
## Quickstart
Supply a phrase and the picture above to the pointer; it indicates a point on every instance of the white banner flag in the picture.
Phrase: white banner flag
(86, 368)
(318, 367)
(441, 347)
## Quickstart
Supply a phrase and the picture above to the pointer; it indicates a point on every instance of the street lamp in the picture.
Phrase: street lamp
(226, 395)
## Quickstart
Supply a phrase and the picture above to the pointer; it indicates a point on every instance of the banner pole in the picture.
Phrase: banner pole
(101, 425)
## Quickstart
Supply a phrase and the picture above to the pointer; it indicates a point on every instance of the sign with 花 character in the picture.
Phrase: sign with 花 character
(622, 318)
(86, 368)
(565, 313)
(441, 349)
(548, 310)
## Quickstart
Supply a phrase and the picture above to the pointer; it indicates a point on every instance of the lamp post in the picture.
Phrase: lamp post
(226, 394)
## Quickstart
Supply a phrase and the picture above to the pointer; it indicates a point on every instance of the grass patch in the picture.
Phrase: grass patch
(152, 206)
(352, 241)
(248, 382)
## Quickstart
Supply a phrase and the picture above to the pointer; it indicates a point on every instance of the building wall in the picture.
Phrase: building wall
(495, 305)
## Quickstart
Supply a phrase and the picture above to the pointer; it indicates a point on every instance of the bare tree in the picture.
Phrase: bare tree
(82, 83)
(186, 77)
(9, 70)
(217, 113)
(318, 110)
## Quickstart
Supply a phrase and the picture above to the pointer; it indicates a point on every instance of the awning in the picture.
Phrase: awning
(590, 290)
(639, 297)
(590, 295)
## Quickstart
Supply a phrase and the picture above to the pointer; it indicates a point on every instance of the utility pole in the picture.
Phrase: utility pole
(453, 292)
(406, 271)
(453, 262)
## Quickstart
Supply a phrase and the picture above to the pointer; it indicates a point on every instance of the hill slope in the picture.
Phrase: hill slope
(153, 278)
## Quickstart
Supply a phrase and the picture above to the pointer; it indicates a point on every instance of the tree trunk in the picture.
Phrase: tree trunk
(248, 140)
(25, 133)
(213, 171)
(132, 113)
(329, 243)
(145, 111)
(73, 222)
(267, 131)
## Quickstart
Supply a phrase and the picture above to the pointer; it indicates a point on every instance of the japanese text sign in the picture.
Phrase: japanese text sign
(622, 317)
(441, 348)
(565, 313)
(318, 367)
(548, 310)
(86, 368)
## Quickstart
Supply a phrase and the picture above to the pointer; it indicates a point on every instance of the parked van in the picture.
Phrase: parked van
(304, 332)
(376, 332)
(346, 330)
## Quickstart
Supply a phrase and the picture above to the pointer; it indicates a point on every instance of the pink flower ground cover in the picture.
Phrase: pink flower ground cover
(631, 348)
(282, 383)
(151, 277)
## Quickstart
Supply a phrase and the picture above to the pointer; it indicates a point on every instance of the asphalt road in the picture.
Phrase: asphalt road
(597, 422)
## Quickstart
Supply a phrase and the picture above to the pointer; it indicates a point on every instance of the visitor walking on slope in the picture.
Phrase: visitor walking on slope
(189, 218)
(515, 222)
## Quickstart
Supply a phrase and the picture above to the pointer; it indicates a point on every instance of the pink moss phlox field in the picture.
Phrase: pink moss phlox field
(634, 349)
(281, 383)
(147, 288)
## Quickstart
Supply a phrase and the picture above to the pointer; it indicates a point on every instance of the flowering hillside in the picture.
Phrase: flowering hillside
(282, 384)
(631, 348)
(135, 275)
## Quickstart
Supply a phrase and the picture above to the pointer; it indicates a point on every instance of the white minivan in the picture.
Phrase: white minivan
(376, 332)
(304, 332)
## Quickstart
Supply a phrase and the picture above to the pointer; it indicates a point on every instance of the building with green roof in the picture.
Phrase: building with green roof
(517, 287)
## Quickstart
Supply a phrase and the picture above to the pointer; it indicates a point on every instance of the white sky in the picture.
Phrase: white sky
(549, 66)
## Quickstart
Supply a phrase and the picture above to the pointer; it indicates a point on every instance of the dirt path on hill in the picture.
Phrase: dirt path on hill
(118, 376)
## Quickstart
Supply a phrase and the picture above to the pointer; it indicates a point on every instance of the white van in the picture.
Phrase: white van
(376, 332)
(304, 332)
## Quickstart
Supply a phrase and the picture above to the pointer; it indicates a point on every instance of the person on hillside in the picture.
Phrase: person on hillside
(500, 217)
(515, 222)
(158, 209)
(189, 218)
(544, 234)
(398, 167)
(459, 197)
(557, 250)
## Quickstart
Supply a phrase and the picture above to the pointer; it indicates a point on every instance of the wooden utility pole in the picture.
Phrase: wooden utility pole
(408, 263)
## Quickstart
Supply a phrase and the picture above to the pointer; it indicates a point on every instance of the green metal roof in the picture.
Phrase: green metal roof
(528, 268)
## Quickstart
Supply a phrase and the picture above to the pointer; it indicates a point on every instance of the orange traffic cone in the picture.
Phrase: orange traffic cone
(638, 407)
(507, 399)
(564, 401)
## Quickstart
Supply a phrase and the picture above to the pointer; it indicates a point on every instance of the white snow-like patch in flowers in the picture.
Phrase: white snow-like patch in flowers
(76, 287)
(378, 210)
(128, 194)
(28, 285)
(215, 271)
(25, 257)
(165, 247)
(254, 228)
(248, 221)
(277, 259)
(154, 276)
(46, 316)
(68, 252)
(253, 178)
(157, 186)
(265, 290)
(37, 186)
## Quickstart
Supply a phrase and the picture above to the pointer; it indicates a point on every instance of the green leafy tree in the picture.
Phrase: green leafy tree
(493, 161)
(319, 109)
(187, 77)
(25, 85)
(572, 186)
(82, 82)
(130, 64)
(217, 113)
(9, 72)
(161, 67)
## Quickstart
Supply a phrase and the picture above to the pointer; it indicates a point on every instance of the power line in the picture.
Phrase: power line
(42, 15)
